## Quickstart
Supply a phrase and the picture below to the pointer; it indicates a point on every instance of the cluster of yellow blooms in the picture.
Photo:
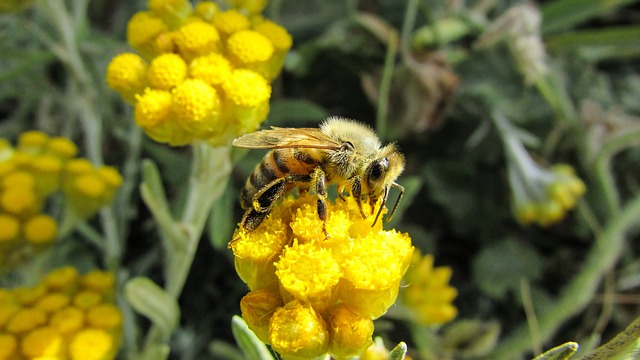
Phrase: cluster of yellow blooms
(310, 295)
(427, 293)
(38, 167)
(66, 316)
(202, 73)
(547, 196)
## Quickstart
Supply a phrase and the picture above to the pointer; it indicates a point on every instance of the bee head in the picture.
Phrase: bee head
(383, 171)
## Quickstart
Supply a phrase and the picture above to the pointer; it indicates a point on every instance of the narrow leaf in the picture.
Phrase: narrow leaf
(562, 352)
(399, 352)
(152, 301)
(248, 342)
(564, 15)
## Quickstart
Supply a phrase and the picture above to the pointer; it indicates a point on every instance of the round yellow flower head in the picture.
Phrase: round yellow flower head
(154, 114)
(298, 332)
(173, 12)
(257, 309)
(47, 170)
(19, 201)
(62, 279)
(32, 141)
(9, 228)
(68, 320)
(229, 22)
(53, 302)
(427, 293)
(166, 71)
(197, 107)
(105, 316)
(350, 334)
(91, 344)
(18, 180)
(86, 299)
(100, 281)
(246, 100)
(251, 6)
(62, 147)
(126, 74)
(249, 48)
(40, 230)
(44, 341)
(8, 347)
(278, 35)
(76, 167)
(25, 320)
(346, 280)
(206, 10)
(197, 38)
(142, 30)
(214, 69)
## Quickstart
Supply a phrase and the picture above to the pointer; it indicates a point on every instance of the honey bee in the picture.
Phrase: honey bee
(341, 151)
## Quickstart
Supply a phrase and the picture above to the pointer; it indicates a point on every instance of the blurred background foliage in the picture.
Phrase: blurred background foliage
(429, 75)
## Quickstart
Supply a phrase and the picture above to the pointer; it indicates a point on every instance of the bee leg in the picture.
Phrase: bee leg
(356, 192)
(264, 199)
(320, 185)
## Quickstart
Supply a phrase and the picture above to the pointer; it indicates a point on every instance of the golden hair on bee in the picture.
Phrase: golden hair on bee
(341, 151)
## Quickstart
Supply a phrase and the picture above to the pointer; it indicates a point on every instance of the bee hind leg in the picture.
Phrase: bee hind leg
(320, 186)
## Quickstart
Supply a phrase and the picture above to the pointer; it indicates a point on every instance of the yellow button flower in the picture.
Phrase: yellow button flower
(44, 342)
(32, 141)
(251, 50)
(197, 107)
(153, 108)
(246, 88)
(100, 281)
(86, 299)
(206, 10)
(142, 30)
(20, 202)
(257, 309)
(427, 293)
(166, 71)
(126, 74)
(278, 35)
(53, 302)
(62, 279)
(8, 347)
(26, 320)
(350, 334)
(229, 22)
(104, 316)
(197, 38)
(67, 321)
(214, 69)
(9, 228)
(298, 332)
(309, 273)
(91, 344)
(173, 12)
(62, 147)
(40, 229)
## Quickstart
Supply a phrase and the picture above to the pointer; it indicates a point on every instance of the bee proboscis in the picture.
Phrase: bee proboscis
(340, 151)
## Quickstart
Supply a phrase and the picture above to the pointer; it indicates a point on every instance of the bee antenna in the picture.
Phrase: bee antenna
(384, 201)
(395, 206)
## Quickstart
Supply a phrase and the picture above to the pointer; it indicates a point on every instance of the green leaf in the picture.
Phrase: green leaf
(562, 352)
(151, 187)
(471, 338)
(153, 302)
(155, 352)
(563, 15)
(601, 44)
(399, 352)
(499, 267)
(248, 342)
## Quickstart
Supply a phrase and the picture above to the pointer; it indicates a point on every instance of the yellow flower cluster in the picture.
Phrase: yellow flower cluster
(427, 293)
(64, 317)
(548, 197)
(203, 73)
(37, 168)
(310, 295)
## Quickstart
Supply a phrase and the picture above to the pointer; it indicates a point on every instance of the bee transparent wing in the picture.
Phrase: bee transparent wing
(278, 138)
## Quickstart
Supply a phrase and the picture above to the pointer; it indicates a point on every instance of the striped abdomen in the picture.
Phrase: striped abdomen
(277, 164)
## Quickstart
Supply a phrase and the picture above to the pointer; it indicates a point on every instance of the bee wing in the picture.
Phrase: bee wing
(278, 138)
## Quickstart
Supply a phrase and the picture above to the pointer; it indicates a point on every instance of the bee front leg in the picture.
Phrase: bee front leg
(356, 192)
(320, 185)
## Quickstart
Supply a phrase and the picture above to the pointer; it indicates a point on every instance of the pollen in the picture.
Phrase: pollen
(230, 21)
(195, 101)
(213, 69)
(247, 88)
(152, 108)
(248, 46)
(40, 229)
(166, 71)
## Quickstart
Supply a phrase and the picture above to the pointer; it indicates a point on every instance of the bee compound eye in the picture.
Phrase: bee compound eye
(347, 146)
(378, 168)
